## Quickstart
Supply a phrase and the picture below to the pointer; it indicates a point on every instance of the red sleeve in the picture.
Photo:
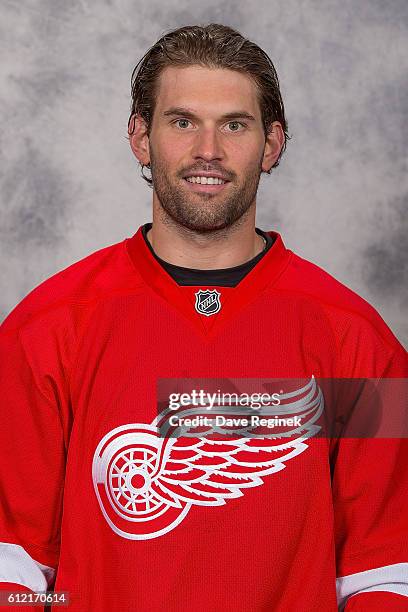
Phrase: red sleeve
(18, 588)
(370, 502)
(32, 459)
(376, 600)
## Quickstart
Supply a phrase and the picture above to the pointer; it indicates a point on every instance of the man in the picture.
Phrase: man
(103, 495)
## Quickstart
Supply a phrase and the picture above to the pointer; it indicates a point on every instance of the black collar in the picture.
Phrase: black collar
(224, 277)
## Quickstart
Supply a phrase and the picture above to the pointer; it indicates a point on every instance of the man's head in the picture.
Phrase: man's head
(206, 101)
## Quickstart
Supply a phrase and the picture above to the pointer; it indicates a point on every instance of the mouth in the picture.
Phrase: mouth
(208, 185)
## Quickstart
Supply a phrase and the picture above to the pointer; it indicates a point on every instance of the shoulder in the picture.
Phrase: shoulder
(354, 322)
(311, 281)
(76, 287)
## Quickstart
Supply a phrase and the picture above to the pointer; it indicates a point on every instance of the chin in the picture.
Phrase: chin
(204, 228)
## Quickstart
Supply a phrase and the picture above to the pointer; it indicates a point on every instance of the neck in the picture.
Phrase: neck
(217, 249)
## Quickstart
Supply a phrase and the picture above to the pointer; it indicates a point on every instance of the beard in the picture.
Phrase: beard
(203, 212)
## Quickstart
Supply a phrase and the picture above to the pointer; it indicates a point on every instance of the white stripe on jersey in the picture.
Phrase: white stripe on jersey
(17, 566)
(391, 578)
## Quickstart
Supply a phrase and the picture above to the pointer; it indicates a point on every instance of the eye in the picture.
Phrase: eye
(236, 123)
(182, 121)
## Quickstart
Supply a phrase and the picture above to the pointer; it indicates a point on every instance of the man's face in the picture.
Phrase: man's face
(198, 126)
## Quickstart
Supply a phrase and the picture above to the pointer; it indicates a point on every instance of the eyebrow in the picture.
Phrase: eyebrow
(185, 112)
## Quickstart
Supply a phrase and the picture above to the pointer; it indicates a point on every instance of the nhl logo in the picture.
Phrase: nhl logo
(207, 302)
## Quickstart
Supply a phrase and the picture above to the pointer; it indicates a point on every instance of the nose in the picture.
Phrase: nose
(207, 144)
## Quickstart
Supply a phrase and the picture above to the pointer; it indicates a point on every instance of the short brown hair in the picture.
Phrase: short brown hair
(211, 46)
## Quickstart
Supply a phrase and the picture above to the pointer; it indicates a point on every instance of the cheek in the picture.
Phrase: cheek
(169, 153)
(245, 154)
(250, 162)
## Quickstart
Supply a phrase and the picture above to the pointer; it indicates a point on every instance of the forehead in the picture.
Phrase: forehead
(208, 91)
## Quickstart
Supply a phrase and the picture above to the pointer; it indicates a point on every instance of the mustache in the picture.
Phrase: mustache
(208, 168)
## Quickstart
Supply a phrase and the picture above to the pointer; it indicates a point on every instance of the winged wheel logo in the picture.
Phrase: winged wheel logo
(146, 483)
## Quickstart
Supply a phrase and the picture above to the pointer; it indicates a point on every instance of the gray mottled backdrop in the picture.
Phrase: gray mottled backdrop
(69, 184)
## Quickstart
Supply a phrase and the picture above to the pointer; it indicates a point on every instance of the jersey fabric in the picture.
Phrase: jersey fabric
(90, 502)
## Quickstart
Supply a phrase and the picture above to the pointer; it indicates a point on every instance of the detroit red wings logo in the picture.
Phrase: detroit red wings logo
(146, 483)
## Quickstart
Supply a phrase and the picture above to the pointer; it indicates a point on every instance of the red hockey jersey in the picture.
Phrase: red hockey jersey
(95, 503)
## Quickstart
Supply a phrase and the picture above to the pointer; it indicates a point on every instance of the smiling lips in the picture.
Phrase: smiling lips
(205, 180)
(206, 184)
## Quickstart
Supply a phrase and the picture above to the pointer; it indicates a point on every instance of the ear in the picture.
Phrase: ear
(273, 145)
(139, 139)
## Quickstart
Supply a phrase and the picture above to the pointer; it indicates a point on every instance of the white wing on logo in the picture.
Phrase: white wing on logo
(208, 471)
